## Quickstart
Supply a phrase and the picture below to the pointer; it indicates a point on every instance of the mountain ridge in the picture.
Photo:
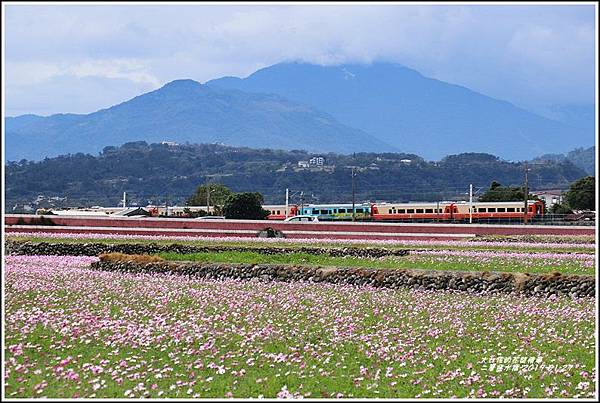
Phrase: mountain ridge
(402, 107)
(185, 110)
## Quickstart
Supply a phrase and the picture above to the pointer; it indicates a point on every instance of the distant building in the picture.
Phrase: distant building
(551, 197)
(168, 143)
(406, 161)
(318, 161)
(303, 164)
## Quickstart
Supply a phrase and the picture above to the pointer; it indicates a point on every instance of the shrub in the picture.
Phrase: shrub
(270, 233)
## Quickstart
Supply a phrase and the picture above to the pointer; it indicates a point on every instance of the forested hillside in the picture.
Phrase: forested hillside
(584, 158)
(158, 173)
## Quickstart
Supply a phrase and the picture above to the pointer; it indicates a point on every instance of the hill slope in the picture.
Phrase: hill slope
(414, 113)
(153, 173)
(187, 111)
(584, 158)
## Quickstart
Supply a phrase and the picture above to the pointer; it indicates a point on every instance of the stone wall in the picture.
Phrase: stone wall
(94, 249)
(475, 282)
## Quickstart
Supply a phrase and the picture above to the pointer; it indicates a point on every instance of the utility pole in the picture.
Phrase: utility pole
(526, 195)
(353, 194)
(124, 199)
(167, 205)
(471, 203)
(208, 199)
(287, 198)
(301, 203)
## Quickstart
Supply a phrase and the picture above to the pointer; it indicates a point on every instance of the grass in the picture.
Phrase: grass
(463, 263)
(180, 337)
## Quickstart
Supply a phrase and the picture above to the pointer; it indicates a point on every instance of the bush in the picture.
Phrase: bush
(270, 233)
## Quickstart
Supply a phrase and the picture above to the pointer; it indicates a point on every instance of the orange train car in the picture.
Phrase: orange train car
(438, 211)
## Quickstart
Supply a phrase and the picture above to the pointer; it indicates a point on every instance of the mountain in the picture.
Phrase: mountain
(584, 158)
(412, 112)
(160, 173)
(187, 111)
(582, 116)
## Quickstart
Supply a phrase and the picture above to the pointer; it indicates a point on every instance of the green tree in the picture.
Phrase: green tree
(245, 206)
(582, 194)
(218, 196)
(499, 193)
(560, 208)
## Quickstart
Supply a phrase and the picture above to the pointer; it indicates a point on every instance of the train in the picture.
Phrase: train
(454, 211)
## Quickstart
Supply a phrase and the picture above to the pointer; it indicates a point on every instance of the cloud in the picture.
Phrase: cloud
(131, 70)
(525, 54)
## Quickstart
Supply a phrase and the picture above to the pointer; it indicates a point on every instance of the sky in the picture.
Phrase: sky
(81, 58)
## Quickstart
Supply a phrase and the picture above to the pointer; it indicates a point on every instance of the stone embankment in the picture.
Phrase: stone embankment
(544, 285)
(475, 282)
(95, 249)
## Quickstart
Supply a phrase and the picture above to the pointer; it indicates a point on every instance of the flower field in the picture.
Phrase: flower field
(74, 332)
(534, 243)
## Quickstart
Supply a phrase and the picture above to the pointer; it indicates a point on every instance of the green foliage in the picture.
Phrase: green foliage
(153, 173)
(498, 264)
(218, 195)
(245, 206)
(561, 208)
(499, 193)
(582, 194)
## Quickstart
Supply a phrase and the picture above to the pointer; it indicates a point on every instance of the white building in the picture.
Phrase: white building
(303, 164)
(318, 161)
(551, 197)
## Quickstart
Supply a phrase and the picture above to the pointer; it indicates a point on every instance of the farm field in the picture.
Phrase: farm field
(75, 332)
(430, 260)
(530, 243)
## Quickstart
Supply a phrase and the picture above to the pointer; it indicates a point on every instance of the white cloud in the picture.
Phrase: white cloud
(131, 70)
(525, 54)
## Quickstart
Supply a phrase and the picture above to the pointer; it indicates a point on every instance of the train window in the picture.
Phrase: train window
(419, 211)
(501, 209)
(510, 209)
(410, 211)
(429, 210)
(315, 211)
(390, 211)
(324, 211)
(401, 211)
(359, 210)
(492, 210)
(342, 210)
